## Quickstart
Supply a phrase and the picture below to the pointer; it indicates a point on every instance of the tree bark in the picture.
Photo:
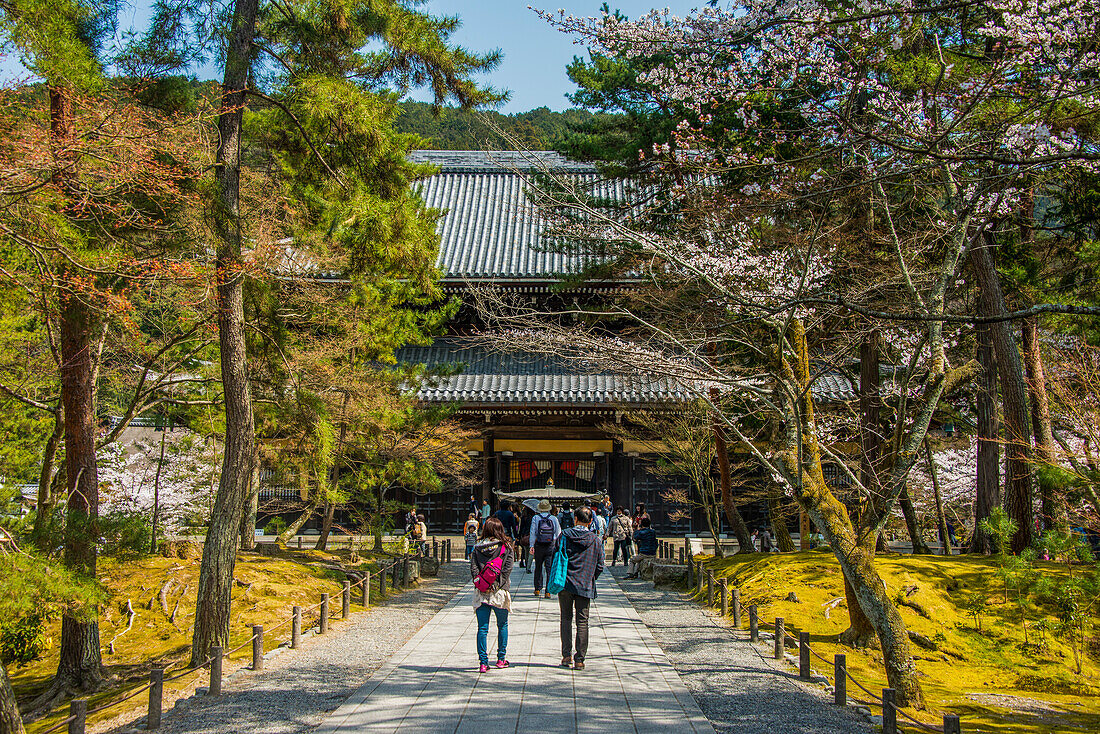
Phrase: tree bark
(46, 501)
(860, 632)
(1018, 478)
(1053, 505)
(326, 526)
(778, 522)
(941, 519)
(156, 491)
(219, 553)
(79, 665)
(10, 720)
(912, 524)
(733, 516)
(295, 526)
(987, 491)
(251, 506)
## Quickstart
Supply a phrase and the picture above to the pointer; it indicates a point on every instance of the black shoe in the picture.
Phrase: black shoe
(578, 665)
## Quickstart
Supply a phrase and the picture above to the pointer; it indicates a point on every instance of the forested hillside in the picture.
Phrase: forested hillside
(456, 129)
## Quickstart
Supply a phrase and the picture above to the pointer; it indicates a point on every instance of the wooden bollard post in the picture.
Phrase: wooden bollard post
(78, 710)
(382, 583)
(691, 572)
(257, 647)
(681, 556)
(323, 624)
(299, 542)
(435, 548)
(215, 671)
(710, 588)
(780, 633)
(889, 713)
(736, 601)
(365, 601)
(699, 580)
(804, 655)
(345, 601)
(295, 627)
(754, 624)
(840, 677)
(687, 547)
(951, 724)
(405, 580)
(723, 589)
(156, 698)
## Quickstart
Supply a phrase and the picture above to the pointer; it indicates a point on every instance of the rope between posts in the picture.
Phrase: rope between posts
(281, 624)
(921, 724)
(247, 642)
(58, 725)
(189, 671)
(138, 692)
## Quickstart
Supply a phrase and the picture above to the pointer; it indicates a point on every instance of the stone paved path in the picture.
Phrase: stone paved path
(431, 685)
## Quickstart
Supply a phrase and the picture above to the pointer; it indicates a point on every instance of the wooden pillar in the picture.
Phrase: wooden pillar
(490, 463)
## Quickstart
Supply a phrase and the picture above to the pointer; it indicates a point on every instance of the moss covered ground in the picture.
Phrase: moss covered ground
(989, 676)
(266, 588)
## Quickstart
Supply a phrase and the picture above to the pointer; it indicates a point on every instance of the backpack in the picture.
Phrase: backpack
(544, 531)
(416, 533)
(491, 572)
(555, 581)
(566, 520)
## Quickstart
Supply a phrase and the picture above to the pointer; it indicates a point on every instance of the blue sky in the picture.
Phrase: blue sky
(535, 54)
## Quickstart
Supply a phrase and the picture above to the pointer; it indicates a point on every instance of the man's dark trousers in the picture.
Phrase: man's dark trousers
(544, 555)
(571, 604)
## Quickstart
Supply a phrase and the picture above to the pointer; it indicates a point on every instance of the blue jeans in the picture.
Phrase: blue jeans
(483, 613)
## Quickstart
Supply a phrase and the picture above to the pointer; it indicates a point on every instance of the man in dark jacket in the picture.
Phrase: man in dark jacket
(645, 540)
(508, 520)
(585, 553)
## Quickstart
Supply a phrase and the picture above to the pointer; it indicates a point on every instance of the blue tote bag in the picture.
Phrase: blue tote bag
(558, 569)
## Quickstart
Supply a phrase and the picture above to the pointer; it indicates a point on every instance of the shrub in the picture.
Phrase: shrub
(275, 526)
(24, 640)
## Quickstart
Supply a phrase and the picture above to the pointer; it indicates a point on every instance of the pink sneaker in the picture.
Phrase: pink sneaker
(502, 664)
(484, 668)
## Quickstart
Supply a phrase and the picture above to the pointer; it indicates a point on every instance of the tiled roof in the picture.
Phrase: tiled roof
(490, 378)
(490, 228)
(515, 380)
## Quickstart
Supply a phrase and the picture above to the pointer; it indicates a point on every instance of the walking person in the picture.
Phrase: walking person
(508, 520)
(639, 515)
(491, 570)
(645, 539)
(584, 552)
(469, 533)
(620, 530)
(544, 532)
(485, 512)
(765, 541)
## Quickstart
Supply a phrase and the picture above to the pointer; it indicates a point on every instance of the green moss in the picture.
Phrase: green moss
(934, 592)
(268, 588)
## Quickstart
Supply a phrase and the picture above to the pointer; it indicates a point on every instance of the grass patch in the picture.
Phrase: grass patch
(991, 678)
(265, 590)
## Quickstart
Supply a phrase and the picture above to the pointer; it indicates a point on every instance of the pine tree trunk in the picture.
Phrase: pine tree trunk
(912, 524)
(988, 486)
(46, 501)
(1018, 479)
(251, 507)
(219, 553)
(733, 516)
(941, 518)
(295, 526)
(860, 632)
(10, 720)
(156, 492)
(80, 665)
(326, 527)
(1053, 505)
